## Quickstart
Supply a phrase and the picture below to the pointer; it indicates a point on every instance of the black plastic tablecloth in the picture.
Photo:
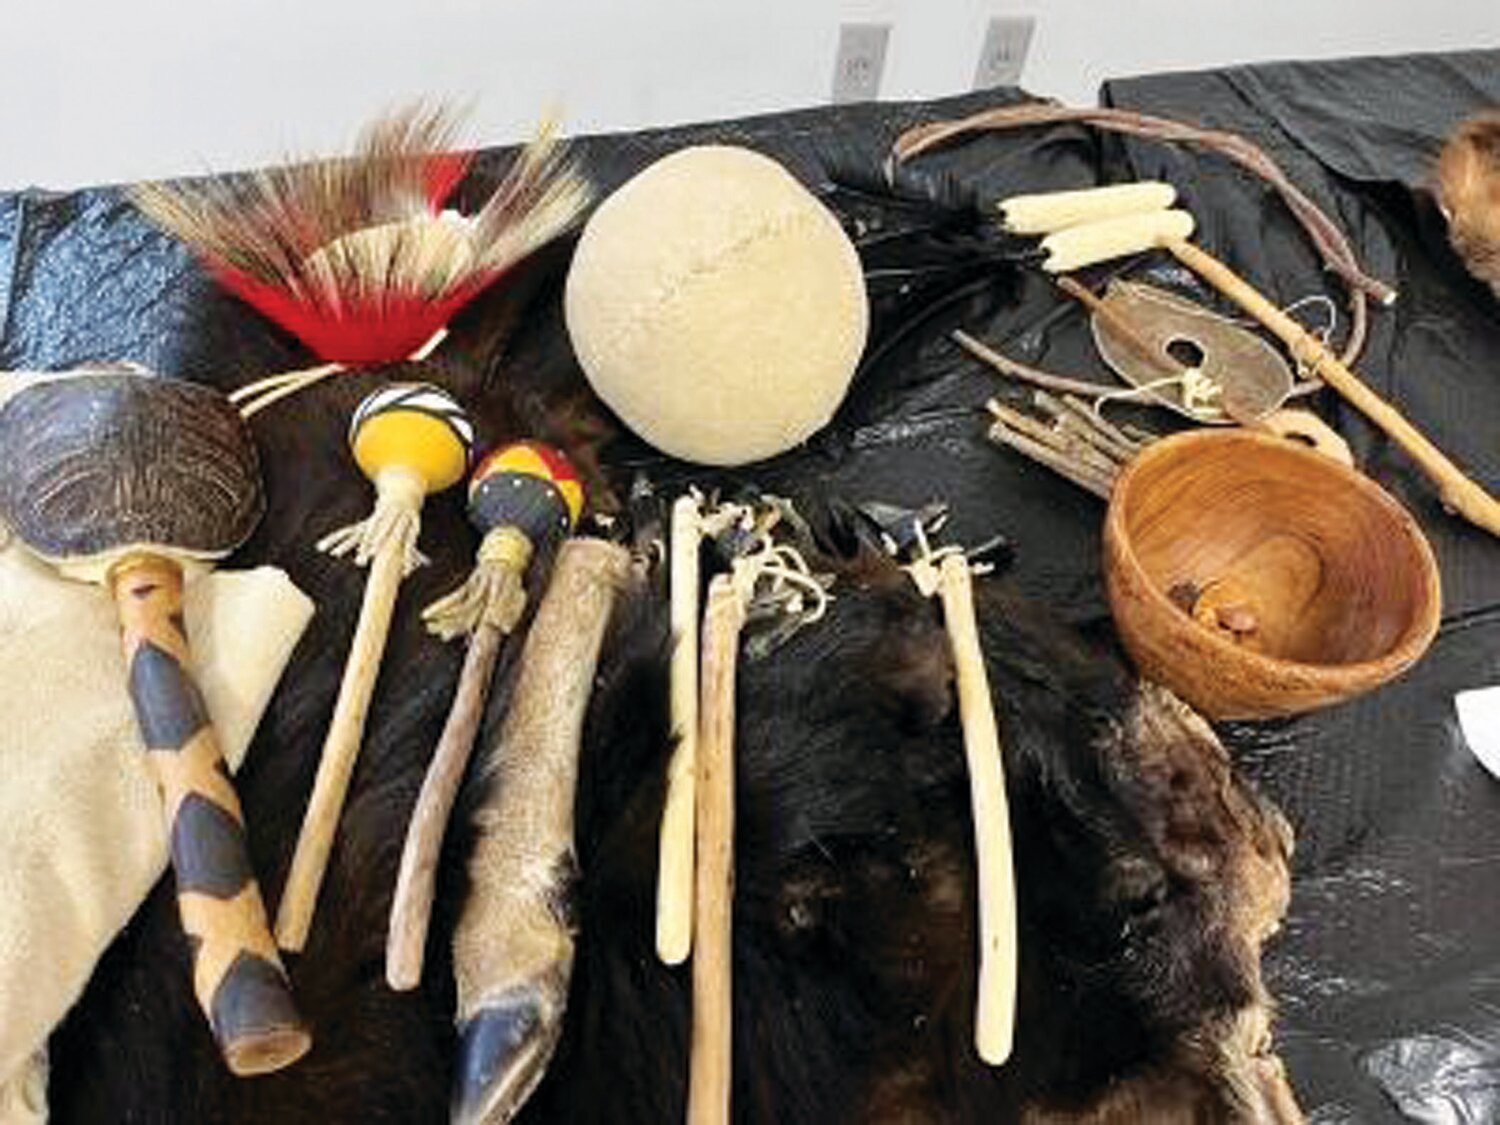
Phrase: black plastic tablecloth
(1388, 971)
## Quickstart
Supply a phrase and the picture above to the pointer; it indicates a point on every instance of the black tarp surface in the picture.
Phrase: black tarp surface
(1388, 972)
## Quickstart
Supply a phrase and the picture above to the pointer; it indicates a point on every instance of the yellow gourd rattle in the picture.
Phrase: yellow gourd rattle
(409, 439)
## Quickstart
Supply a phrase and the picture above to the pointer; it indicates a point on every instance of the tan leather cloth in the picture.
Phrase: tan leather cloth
(81, 828)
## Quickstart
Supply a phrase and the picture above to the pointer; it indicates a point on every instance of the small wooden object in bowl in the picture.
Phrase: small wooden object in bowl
(1256, 578)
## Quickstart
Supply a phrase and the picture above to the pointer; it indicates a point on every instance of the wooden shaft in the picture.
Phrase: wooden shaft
(340, 748)
(1026, 373)
(674, 881)
(1458, 492)
(995, 1019)
(411, 909)
(237, 974)
(711, 1064)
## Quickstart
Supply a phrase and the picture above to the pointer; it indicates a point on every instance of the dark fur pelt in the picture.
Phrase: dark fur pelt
(1148, 879)
(1146, 876)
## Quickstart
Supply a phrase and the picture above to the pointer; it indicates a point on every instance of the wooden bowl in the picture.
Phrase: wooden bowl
(1257, 578)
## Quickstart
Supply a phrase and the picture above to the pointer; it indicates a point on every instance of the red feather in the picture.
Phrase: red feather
(382, 328)
(302, 244)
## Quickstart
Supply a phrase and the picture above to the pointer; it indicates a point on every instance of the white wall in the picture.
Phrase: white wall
(108, 90)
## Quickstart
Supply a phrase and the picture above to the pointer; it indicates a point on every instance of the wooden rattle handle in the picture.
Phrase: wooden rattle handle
(237, 974)
(1458, 492)
(411, 909)
(711, 1064)
(340, 749)
(994, 1022)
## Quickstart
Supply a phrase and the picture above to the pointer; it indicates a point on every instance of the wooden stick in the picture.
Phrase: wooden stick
(1063, 464)
(340, 749)
(1092, 436)
(1128, 445)
(1072, 448)
(1024, 423)
(1098, 429)
(994, 1021)
(711, 1068)
(674, 882)
(411, 909)
(237, 975)
(1458, 492)
(1024, 372)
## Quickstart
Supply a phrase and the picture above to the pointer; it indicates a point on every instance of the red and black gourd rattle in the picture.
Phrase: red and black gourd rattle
(523, 498)
(129, 480)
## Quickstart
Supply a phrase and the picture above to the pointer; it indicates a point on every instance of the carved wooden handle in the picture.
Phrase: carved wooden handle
(711, 1062)
(237, 974)
(340, 749)
(411, 909)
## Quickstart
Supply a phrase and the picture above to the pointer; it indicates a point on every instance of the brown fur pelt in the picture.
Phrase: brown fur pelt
(1468, 189)
(1148, 879)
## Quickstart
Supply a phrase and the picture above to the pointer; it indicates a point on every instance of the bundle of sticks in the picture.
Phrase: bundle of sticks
(1071, 438)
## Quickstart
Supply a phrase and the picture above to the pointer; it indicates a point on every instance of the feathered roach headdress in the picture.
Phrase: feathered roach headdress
(356, 256)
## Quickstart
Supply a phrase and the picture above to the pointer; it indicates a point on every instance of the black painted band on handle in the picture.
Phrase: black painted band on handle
(237, 972)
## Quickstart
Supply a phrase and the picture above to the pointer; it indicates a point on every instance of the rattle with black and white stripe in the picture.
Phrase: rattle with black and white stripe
(409, 439)
(524, 498)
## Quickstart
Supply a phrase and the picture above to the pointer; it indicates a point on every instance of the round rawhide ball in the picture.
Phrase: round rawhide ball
(529, 486)
(413, 426)
(717, 307)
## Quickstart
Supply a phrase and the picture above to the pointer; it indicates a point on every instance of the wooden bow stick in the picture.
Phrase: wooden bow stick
(409, 439)
(947, 573)
(523, 498)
